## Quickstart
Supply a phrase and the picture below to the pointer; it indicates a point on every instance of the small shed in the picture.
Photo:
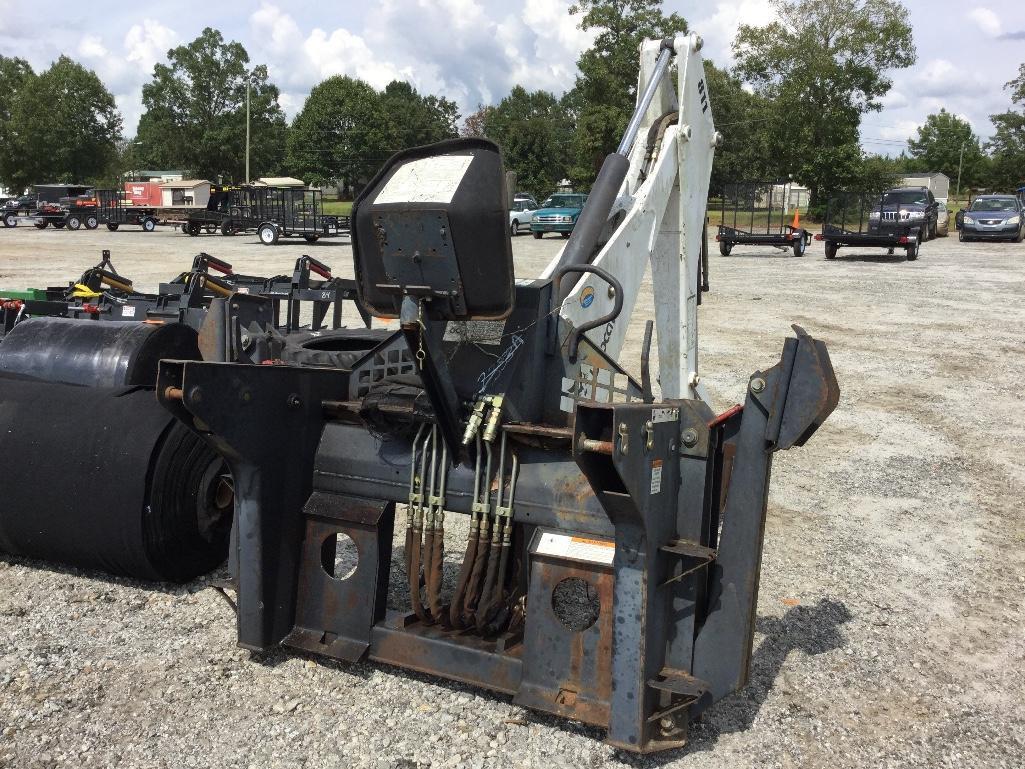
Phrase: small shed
(191, 193)
(279, 181)
(936, 181)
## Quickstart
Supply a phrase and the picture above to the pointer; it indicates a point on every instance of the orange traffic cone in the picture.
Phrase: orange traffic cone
(797, 219)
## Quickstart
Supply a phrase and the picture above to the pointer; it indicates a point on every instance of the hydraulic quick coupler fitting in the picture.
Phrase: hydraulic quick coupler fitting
(494, 418)
(476, 418)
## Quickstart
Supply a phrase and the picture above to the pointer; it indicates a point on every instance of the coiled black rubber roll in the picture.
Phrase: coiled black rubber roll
(105, 478)
(97, 353)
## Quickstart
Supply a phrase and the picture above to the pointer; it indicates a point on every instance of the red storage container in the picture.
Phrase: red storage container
(142, 193)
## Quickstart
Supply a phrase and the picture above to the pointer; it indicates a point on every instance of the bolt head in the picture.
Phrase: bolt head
(690, 437)
(757, 385)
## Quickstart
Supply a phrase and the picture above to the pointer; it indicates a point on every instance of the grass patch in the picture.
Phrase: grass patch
(337, 207)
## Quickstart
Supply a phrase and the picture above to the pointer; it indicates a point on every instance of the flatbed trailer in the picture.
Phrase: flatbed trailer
(859, 219)
(761, 208)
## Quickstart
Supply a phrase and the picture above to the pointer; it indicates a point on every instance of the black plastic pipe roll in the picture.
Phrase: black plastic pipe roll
(96, 353)
(105, 478)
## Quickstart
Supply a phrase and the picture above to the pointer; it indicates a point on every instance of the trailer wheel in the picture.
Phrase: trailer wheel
(10, 220)
(112, 226)
(831, 249)
(311, 238)
(57, 225)
(800, 246)
(149, 224)
(73, 223)
(912, 251)
(537, 235)
(725, 247)
(40, 225)
(268, 234)
(226, 228)
(91, 222)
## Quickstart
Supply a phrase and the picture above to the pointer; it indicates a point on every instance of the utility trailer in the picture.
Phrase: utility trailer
(230, 210)
(296, 212)
(755, 213)
(108, 207)
(866, 219)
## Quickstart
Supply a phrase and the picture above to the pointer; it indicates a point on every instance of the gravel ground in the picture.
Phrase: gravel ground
(890, 625)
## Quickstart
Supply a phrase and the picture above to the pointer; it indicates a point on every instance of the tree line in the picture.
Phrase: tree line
(791, 106)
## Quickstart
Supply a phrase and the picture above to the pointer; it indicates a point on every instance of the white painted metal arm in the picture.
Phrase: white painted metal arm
(663, 226)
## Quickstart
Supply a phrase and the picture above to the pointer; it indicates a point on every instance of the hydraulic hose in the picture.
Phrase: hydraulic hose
(480, 560)
(455, 610)
(489, 592)
(415, 489)
(428, 548)
(436, 572)
(416, 538)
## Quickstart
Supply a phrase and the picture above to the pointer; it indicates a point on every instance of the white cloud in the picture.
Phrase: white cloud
(720, 29)
(986, 20)
(91, 47)
(461, 49)
(147, 43)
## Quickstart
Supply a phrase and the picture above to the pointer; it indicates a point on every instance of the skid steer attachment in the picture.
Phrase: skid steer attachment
(609, 572)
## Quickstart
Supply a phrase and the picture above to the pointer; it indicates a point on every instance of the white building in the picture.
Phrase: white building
(186, 192)
(936, 181)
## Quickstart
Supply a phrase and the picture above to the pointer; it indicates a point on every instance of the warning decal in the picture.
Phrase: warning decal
(656, 477)
(427, 180)
(579, 548)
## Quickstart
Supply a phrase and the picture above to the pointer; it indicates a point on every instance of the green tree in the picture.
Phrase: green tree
(14, 74)
(937, 147)
(195, 112)
(341, 134)
(741, 117)
(415, 119)
(64, 126)
(606, 89)
(1007, 144)
(535, 131)
(823, 64)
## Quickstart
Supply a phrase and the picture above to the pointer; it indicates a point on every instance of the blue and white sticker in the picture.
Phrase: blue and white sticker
(587, 297)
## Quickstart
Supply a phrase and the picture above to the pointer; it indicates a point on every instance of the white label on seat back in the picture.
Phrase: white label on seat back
(427, 180)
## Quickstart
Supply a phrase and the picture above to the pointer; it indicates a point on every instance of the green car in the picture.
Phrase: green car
(558, 214)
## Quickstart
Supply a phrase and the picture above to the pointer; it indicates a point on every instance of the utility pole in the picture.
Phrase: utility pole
(248, 82)
(957, 195)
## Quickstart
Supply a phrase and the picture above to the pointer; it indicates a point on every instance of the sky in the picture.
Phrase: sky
(474, 51)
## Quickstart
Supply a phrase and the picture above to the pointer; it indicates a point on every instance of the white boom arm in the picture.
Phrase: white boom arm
(665, 212)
